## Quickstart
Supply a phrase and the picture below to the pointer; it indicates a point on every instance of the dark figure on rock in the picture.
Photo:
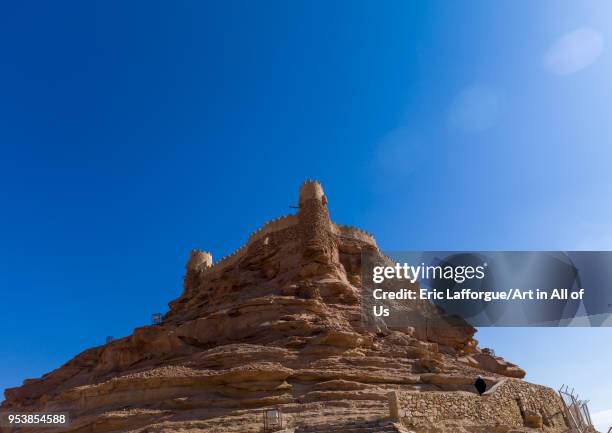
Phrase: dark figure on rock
(480, 385)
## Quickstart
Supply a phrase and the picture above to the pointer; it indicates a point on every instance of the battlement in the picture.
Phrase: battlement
(310, 190)
(199, 259)
(355, 233)
(230, 259)
(268, 228)
(271, 226)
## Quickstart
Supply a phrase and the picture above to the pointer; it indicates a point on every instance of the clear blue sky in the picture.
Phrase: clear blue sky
(131, 132)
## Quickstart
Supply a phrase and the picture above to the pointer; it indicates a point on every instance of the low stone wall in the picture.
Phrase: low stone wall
(511, 402)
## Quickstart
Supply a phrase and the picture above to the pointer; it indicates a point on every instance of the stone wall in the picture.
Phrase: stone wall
(354, 233)
(272, 226)
(510, 402)
(312, 214)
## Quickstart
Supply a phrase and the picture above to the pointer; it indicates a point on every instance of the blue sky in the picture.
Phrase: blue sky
(131, 133)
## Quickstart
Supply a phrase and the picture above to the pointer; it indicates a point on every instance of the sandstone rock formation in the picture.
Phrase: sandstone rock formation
(278, 323)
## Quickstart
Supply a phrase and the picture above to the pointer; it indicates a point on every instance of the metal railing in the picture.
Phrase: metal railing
(576, 410)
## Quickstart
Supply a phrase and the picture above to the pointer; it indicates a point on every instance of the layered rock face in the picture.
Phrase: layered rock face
(278, 324)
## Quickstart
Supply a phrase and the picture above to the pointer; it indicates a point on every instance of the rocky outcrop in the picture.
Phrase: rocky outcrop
(278, 323)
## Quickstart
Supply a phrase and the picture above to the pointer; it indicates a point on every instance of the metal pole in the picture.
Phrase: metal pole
(587, 413)
(569, 411)
(577, 407)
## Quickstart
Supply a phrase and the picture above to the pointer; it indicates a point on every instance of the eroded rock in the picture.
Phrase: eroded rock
(276, 323)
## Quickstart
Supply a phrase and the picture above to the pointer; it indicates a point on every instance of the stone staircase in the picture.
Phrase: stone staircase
(352, 427)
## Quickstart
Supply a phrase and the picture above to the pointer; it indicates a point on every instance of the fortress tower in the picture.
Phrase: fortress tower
(315, 226)
(198, 261)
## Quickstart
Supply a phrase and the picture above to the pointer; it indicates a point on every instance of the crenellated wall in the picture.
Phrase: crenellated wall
(355, 233)
(272, 226)
(309, 190)
(229, 260)
(199, 259)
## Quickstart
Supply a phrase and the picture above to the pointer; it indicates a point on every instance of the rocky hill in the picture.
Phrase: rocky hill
(278, 324)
